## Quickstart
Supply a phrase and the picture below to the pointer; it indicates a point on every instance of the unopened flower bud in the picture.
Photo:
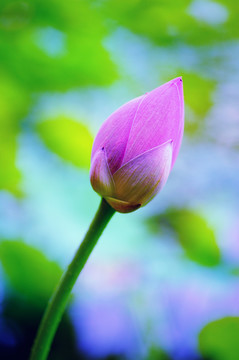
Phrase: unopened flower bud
(136, 147)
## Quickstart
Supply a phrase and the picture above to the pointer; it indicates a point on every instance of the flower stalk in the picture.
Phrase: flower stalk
(132, 156)
(59, 300)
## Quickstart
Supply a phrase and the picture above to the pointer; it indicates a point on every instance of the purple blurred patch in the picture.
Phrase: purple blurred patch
(104, 328)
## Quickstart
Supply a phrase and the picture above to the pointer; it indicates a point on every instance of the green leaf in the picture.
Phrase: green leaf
(14, 104)
(56, 46)
(219, 340)
(9, 174)
(198, 93)
(156, 353)
(193, 233)
(29, 272)
(170, 22)
(67, 138)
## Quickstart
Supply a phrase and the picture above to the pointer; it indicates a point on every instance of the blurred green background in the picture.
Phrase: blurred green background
(163, 282)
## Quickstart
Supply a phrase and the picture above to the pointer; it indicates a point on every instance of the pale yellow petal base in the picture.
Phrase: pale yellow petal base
(122, 206)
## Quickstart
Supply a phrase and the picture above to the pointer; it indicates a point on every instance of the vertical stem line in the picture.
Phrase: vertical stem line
(59, 299)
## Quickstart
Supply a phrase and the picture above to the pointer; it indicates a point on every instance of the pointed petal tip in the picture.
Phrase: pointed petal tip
(178, 81)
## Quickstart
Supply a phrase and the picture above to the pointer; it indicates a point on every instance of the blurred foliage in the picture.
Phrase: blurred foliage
(193, 233)
(219, 340)
(44, 46)
(67, 138)
(14, 102)
(52, 46)
(21, 319)
(155, 353)
(33, 277)
(170, 22)
(198, 95)
(55, 45)
(198, 92)
(29, 272)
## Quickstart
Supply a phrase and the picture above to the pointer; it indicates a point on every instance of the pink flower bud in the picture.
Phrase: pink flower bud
(136, 147)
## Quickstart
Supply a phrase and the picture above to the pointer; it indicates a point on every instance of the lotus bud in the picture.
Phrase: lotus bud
(136, 147)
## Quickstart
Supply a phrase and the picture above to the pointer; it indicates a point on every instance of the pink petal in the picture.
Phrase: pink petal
(100, 176)
(113, 134)
(139, 180)
(159, 118)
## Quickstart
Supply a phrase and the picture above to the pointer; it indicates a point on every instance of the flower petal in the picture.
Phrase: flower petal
(113, 134)
(100, 176)
(159, 118)
(139, 180)
(122, 206)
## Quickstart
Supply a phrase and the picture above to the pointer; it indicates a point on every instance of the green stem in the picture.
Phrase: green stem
(58, 302)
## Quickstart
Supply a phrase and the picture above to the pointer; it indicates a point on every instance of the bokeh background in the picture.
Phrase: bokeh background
(163, 282)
